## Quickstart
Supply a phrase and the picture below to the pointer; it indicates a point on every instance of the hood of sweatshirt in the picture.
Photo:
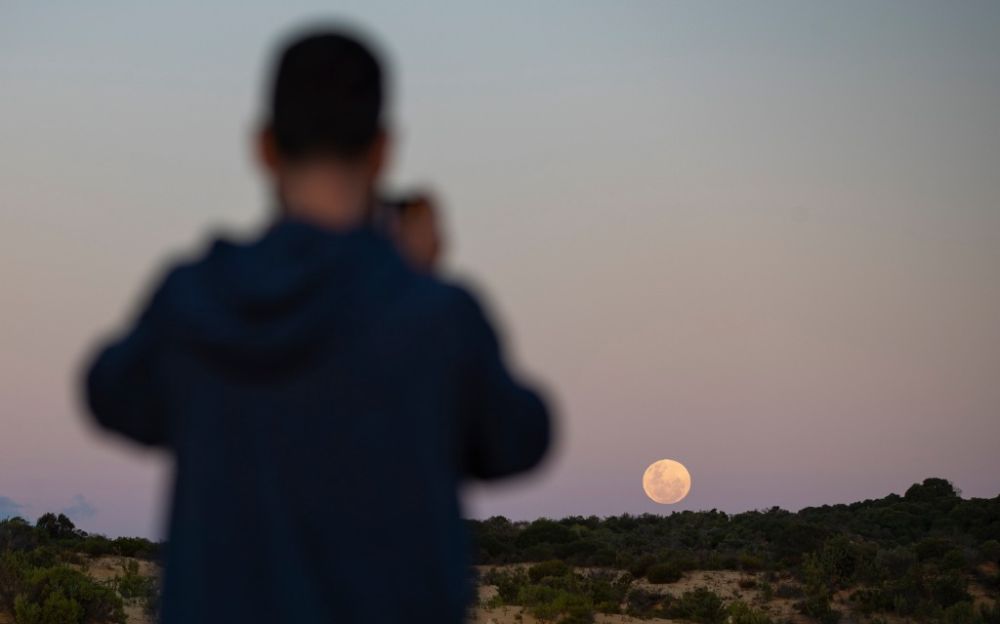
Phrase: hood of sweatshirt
(280, 299)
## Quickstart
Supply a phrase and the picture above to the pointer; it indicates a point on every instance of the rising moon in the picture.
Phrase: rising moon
(666, 481)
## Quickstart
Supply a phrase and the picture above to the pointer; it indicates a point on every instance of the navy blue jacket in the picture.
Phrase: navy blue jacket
(323, 402)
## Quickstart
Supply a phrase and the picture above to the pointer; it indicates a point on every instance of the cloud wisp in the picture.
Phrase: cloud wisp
(80, 509)
(9, 508)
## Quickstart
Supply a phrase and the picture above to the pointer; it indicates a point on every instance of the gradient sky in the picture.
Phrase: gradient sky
(759, 238)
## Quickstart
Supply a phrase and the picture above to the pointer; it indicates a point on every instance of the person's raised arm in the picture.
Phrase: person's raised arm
(506, 424)
(121, 386)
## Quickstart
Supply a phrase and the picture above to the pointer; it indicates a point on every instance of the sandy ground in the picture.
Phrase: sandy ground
(726, 583)
(106, 568)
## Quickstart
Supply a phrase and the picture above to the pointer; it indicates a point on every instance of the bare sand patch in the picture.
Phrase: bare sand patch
(108, 567)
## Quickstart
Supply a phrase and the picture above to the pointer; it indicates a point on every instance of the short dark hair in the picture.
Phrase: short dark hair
(326, 97)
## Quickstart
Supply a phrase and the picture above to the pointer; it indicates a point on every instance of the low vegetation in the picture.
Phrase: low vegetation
(43, 578)
(926, 556)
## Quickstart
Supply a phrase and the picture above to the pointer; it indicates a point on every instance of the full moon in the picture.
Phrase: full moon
(666, 481)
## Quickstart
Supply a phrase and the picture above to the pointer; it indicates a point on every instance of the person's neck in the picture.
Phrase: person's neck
(325, 196)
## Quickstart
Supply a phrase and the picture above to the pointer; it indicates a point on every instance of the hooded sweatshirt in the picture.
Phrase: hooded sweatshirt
(322, 402)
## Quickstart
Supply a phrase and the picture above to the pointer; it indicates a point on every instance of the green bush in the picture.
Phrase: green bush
(57, 609)
(50, 591)
(14, 570)
(508, 582)
(661, 573)
(742, 613)
(990, 551)
(607, 590)
(817, 606)
(639, 566)
(766, 591)
(554, 567)
(701, 605)
(948, 589)
(990, 614)
(645, 603)
(750, 563)
(550, 603)
(961, 613)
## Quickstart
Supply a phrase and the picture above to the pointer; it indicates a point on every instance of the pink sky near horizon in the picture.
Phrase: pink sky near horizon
(763, 242)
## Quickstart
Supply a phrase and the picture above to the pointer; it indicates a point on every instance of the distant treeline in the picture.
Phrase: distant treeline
(913, 555)
(928, 555)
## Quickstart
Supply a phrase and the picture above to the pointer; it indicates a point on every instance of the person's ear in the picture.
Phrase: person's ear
(267, 150)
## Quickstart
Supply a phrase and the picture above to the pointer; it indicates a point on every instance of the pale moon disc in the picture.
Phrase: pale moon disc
(666, 481)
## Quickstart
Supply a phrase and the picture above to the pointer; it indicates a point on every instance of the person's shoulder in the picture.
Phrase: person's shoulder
(182, 273)
(461, 307)
(452, 297)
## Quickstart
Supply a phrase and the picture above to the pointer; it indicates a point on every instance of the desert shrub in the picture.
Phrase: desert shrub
(44, 556)
(555, 603)
(51, 591)
(544, 531)
(607, 590)
(57, 609)
(701, 605)
(577, 614)
(788, 591)
(820, 572)
(661, 573)
(961, 613)
(750, 562)
(933, 548)
(894, 562)
(948, 589)
(838, 561)
(17, 535)
(990, 551)
(818, 608)
(639, 566)
(96, 546)
(990, 614)
(766, 591)
(136, 547)
(644, 603)
(508, 582)
(132, 585)
(872, 599)
(554, 567)
(954, 560)
(14, 569)
(742, 613)
(603, 558)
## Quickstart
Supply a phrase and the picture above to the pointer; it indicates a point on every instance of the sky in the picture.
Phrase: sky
(762, 239)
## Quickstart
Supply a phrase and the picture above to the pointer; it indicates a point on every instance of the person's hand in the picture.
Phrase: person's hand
(419, 233)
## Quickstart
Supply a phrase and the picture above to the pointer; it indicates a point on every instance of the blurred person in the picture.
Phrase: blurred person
(322, 395)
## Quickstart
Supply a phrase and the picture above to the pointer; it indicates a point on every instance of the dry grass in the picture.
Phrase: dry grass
(106, 568)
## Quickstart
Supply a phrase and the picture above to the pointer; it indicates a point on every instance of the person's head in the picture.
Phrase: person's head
(324, 142)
